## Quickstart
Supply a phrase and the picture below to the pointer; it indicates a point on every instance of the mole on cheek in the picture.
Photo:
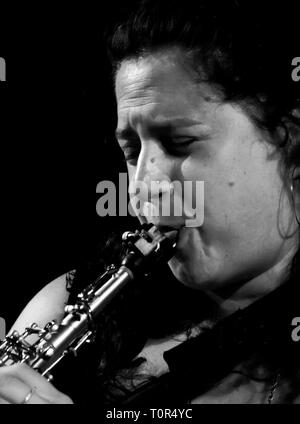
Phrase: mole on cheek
(152, 160)
(231, 183)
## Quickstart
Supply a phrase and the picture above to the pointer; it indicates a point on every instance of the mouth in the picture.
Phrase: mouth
(167, 228)
(172, 233)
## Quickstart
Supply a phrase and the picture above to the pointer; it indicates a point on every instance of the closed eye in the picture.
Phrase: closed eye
(182, 140)
(177, 140)
(178, 146)
(174, 145)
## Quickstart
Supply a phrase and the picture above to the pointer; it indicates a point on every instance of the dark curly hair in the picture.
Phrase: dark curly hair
(241, 48)
(244, 52)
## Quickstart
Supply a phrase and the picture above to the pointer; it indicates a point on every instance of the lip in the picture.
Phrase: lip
(170, 232)
(167, 228)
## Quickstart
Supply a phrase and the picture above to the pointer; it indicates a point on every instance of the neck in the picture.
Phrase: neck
(243, 295)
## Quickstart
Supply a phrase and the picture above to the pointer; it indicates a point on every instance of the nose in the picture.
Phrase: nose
(154, 172)
(154, 164)
(152, 185)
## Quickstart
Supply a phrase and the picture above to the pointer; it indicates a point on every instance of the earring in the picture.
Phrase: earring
(293, 196)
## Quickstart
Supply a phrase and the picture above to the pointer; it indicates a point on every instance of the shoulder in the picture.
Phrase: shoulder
(46, 305)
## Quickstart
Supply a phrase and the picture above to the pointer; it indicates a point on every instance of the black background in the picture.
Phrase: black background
(57, 112)
(58, 115)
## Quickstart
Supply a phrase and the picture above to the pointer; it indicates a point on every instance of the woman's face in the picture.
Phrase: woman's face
(172, 128)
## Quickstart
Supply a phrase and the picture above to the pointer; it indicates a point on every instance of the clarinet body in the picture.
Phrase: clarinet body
(55, 341)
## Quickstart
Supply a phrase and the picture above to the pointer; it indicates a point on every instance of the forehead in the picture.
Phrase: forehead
(160, 80)
(163, 69)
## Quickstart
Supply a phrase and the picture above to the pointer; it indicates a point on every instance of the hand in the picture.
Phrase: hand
(19, 382)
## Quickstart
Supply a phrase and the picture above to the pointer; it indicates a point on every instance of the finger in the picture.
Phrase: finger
(15, 391)
(32, 378)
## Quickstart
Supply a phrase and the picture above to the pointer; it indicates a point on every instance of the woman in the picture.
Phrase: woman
(199, 99)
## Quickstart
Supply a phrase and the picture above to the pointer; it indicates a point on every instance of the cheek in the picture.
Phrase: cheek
(193, 168)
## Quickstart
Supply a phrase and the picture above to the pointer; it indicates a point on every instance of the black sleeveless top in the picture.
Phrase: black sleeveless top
(264, 328)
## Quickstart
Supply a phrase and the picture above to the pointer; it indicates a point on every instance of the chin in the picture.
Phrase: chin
(193, 276)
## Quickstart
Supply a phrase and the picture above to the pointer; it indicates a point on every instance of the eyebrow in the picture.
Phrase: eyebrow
(129, 132)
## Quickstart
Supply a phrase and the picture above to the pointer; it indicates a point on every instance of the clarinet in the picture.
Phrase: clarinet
(145, 248)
